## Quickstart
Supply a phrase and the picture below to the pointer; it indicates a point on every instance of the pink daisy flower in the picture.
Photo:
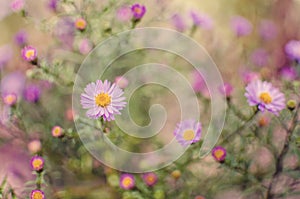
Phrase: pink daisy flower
(127, 181)
(265, 97)
(37, 194)
(150, 179)
(102, 100)
(219, 153)
(10, 99)
(29, 53)
(138, 11)
(57, 131)
(188, 132)
(37, 163)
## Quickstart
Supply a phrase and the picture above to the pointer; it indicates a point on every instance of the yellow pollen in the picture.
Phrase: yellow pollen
(137, 10)
(219, 153)
(29, 53)
(37, 163)
(188, 135)
(102, 99)
(265, 97)
(57, 131)
(37, 195)
(127, 181)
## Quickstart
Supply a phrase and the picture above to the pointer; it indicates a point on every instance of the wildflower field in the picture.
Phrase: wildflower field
(149, 99)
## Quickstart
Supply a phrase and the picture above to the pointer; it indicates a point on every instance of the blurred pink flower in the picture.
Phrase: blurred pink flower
(64, 31)
(29, 53)
(259, 57)
(179, 23)
(219, 153)
(241, 26)
(121, 81)
(199, 84)
(34, 146)
(267, 29)
(202, 20)
(13, 83)
(52, 4)
(124, 14)
(226, 89)
(32, 93)
(85, 46)
(150, 179)
(249, 76)
(6, 54)
(14, 165)
(17, 5)
(127, 181)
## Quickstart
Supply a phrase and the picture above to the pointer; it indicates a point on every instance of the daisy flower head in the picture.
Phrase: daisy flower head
(265, 96)
(188, 132)
(80, 23)
(127, 181)
(29, 53)
(219, 153)
(10, 99)
(103, 99)
(57, 131)
(150, 179)
(37, 163)
(37, 194)
(138, 11)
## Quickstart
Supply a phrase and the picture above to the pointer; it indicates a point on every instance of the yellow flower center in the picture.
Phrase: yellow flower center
(127, 181)
(57, 131)
(37, 163)
(265, 97)
(37, 195)
(188, 135)
(29, 53)
(150, 179)
(80, 23)
(137, 10)
(103, 99)
(219, 154)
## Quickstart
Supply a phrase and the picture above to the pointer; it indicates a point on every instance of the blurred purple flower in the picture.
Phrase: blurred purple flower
(127, 181)
(268, 30)
(202, 20)
(65, 32)
(52, 4)
(138, 11)
(85, 46)
(17, 5)
(265, 97)
(32, 93)
(259, 57)
(292, 49)
(226, 89)
(188, 132)
(288, 73)
(179, 23)
(13, 83)
(241, 26)
(6, 54)
(21, 38)
(124, 14)
(14, 165)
